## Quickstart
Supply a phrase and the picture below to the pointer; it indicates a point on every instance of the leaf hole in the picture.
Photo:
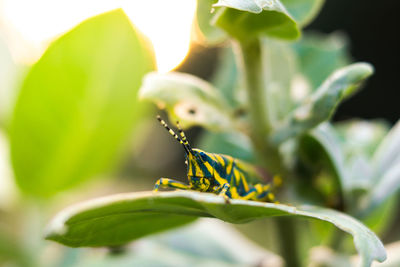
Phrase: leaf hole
(191, 111)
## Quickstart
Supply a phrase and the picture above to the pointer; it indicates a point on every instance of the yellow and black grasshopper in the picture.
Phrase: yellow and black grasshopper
(219, 174)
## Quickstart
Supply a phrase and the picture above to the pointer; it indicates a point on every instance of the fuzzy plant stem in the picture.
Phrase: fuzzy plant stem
(250, 60)
(288, 241)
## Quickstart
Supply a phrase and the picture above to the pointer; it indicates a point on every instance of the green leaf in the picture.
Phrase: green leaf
(230, 143)
(293, 71)
(117, 219)
(248, 19)
(348, 148)
(77, 106)
(361, 137)
(386, 171)
(359, 140)
(382, 217)
(324, 256)
(368, 245)
(393, 253)
(191, 100)
(303, 11)
(388, 153)
(204, 15)
(319, 55)
(322, 142)
(388, 185)
(320, 106)
(280, 72)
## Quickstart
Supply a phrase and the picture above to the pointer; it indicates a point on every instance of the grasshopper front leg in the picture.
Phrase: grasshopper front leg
(169, 183)
(223, 190)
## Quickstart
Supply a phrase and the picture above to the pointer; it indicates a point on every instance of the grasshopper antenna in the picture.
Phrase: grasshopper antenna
(183, 136)
(187, 148)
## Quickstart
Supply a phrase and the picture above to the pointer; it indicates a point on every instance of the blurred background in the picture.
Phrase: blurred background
(371, 32)
(370, 28)
(27, 28)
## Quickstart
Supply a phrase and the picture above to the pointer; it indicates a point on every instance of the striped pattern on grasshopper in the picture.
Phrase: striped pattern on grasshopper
(219, 174)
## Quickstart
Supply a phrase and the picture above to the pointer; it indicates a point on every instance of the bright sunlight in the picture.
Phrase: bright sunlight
(29, 26)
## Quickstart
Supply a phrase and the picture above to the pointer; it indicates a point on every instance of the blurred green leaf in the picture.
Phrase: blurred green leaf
(324, 256)
(117, 219)
(322, 143)
(216, 244)
(293, 71)
(348, 148)
(231, 143)
(319, 55)
(393, 252)
(204, 15)
(8, 189)
(77, 106)
(12, 253)
(264, 233)
(157, 255)
(280, 72)
(386, 171)
(388, 153)
(8, 71)
(320, 106)
(191, 100)
(388, 184)
(368, 245)
(359, 140)
(215, 240)
(303, 11)
(226, 77)
(381, 218)
(361, 137)
(248, 19)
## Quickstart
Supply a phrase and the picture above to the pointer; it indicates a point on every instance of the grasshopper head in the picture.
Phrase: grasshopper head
(198, 164)
(199, 170)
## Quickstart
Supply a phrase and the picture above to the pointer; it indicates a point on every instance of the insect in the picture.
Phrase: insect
(219, 174)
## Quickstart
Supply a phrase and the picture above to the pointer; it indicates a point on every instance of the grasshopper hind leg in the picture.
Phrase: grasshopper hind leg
(170, 183)
(260, 192)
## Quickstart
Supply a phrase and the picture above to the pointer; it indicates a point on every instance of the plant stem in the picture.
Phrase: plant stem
(260, 121)
(288, 241)
(260, 128)
(251, 57)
